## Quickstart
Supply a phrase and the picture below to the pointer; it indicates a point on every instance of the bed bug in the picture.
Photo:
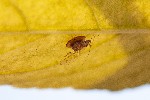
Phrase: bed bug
(78, 43)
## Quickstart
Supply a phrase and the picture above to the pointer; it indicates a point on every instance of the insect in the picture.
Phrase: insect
(78, 43)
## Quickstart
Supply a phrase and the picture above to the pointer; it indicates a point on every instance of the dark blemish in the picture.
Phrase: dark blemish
(78, 43)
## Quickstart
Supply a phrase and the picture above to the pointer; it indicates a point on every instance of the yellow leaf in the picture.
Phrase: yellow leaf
(33, 52)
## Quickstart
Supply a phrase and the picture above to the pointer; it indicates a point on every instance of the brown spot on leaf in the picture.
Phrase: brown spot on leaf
(78, 43)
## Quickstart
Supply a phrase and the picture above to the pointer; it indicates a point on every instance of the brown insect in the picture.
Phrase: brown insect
(78, 43)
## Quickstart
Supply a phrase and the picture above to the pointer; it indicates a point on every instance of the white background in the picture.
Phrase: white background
(11, 93)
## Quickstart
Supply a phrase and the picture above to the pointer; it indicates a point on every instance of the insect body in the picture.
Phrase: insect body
(78, 43)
